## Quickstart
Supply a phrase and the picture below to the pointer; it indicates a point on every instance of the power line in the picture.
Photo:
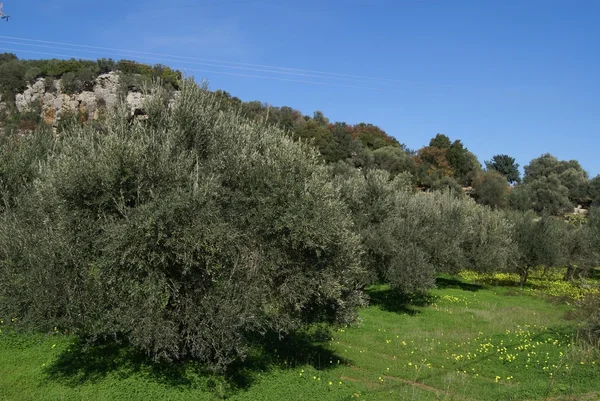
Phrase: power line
(216, 72)
(332, 74)
(195, 62)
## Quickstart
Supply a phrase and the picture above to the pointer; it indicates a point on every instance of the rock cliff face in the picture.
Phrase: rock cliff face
(54, 102)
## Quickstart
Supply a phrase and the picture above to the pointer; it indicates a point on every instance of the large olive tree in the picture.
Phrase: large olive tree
(186, 233)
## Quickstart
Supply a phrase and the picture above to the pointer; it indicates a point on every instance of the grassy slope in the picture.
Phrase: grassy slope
(465, 344)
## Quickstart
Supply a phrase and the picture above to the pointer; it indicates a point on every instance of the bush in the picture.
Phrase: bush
(188, 233)
(12, 78)
(132, 83)
(82, 80)
(393, 159)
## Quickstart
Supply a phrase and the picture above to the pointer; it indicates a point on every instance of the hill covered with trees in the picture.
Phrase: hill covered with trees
(210, 222)
(548, 186)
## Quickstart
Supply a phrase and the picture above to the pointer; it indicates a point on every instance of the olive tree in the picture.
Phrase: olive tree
(538, 241)
(409, 237)
(577, 247)
(490, 188)
(186, 233)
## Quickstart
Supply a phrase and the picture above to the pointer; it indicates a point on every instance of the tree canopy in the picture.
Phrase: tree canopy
(505, 165)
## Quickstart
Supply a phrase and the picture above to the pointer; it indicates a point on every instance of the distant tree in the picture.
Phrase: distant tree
(569, 172)
(549, 195)
(5, 57)
(345, 145)
(576, 181)
(490, 188)
(506, 166)
(447, 184)
(594, 190)
(320, 136)
(520, 197)
(434, 159)
(463, 162)
(12, 78)
(440, 141)
(445, 158)
(373, 137)
(393, 159)
(106, 65)
(320, 118)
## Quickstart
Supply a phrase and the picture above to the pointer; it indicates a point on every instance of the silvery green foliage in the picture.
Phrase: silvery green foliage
(187, 232)
(410, 237)
(488, 244)
(538, 240)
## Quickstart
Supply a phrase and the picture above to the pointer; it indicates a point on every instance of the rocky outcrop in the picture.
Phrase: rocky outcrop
(49, 97)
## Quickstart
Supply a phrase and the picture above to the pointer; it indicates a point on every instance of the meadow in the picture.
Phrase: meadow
(474, 337)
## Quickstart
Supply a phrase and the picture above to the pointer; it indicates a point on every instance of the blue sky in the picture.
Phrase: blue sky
(519, 77)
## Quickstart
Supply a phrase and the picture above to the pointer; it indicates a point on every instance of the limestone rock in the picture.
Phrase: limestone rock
(54, 102)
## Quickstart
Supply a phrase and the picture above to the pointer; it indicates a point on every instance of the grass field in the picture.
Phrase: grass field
(463, 342)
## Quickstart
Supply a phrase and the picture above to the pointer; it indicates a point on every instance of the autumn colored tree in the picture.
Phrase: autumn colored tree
(434, 160)
(373, 137)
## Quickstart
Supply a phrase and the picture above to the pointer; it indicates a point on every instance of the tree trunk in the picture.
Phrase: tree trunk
(569, 273)
(524, 276)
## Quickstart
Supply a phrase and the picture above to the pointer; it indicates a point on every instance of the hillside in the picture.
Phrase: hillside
(48, 92)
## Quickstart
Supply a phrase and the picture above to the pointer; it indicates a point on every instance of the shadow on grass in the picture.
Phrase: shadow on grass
(392, 301)
(450, 282)
(83, 363)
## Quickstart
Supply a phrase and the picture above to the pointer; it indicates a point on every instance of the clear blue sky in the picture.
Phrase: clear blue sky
(520, 77)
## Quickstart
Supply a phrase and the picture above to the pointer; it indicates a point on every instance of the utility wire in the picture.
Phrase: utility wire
(125, 54)
(329, 74)
(215, 72)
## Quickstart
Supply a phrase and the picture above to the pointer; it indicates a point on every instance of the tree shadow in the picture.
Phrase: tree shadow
(84, 363)
(450, 282)
(290, 352)
(392, 301)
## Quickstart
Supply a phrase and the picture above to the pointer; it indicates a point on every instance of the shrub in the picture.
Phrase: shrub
(12, 78)
(50, 85)
(70, 84)
(81, 80)
(132, 83)
(187, 233)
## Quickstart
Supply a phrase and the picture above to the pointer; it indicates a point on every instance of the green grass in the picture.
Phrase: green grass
(463, 342)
